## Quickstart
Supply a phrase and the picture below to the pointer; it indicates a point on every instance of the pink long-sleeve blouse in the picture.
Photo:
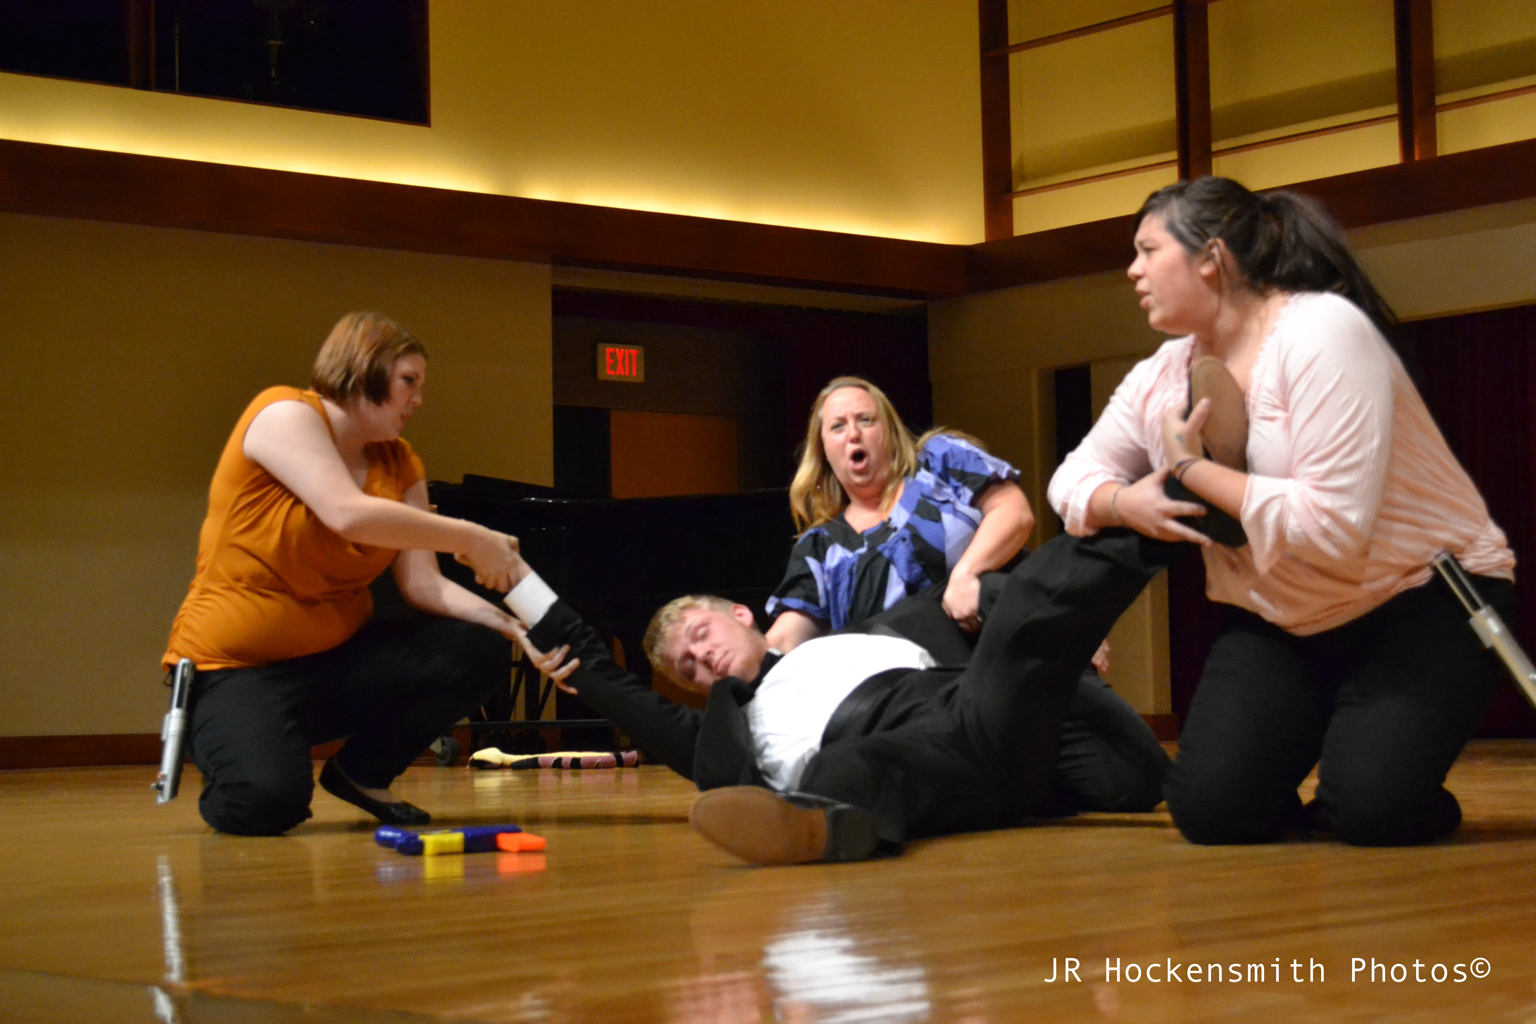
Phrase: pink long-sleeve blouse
(1351, 489)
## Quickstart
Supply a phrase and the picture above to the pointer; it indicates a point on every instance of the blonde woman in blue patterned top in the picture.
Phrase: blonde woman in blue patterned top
(884, 516)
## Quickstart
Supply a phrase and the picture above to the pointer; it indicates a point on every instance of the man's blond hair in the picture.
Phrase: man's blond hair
(665, 622)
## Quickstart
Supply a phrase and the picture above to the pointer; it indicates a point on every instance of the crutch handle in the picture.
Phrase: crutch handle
(173, 733)
(1488, 625)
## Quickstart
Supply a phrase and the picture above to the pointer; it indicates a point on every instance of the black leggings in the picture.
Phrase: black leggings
(393, 688)
(1382, 705)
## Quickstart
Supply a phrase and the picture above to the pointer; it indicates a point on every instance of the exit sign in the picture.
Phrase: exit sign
(621, 362)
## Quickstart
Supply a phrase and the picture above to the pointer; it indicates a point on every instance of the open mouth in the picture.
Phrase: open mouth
(858, 458)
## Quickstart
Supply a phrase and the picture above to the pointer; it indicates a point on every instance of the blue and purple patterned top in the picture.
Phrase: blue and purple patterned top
(840, 577)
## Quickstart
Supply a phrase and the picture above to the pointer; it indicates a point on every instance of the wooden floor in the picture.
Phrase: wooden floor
(115, 909)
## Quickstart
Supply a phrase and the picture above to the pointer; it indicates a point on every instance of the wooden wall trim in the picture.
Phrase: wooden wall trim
(1413, 27)
(996, 121)
(1192, 87)
(1079, 33)
(1419, 188)
(1049, 255)
(60, 181)
(63, 181)
(81, 751)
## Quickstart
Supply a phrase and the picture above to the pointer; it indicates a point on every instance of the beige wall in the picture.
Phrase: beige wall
(990, 356)
(858, 115)
(130, 352)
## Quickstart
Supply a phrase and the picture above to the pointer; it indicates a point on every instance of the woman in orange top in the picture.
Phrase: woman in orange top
(314, 496)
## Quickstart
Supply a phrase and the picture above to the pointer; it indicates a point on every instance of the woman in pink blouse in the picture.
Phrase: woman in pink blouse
(1337, 649)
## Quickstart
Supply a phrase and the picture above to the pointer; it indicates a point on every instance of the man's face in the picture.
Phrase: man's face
(708, 645)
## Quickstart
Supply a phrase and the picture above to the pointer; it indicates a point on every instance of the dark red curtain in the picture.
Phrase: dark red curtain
(1477, 373)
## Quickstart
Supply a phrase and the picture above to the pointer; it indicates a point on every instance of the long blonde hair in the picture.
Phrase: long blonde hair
(815, 496)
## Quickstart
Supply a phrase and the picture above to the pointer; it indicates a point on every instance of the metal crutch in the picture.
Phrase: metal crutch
(1487, 624)
(173, 734)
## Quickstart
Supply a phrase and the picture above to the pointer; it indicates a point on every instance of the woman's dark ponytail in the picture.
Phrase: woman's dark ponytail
(1312, 256)
(1280, 240)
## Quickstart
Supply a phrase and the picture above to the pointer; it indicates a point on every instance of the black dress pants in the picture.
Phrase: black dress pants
(393, 688)
(982, 752)
(1382, 706)
(1109, 760)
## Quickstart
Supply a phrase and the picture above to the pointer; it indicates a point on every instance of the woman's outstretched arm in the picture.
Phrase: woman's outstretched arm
(290, 440)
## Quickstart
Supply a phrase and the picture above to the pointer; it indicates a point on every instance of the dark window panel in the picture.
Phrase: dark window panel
(80, 39)
(363, 57)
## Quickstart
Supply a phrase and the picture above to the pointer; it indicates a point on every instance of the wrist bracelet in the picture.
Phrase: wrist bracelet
(1112, 509)
(1182, 466)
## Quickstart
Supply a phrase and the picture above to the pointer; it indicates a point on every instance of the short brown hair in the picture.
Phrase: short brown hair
(359, 355)
(666, 620)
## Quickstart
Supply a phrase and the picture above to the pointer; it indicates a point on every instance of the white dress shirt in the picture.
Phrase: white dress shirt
(796, 698)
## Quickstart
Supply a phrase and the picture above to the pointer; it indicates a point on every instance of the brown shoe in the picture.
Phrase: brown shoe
(763, 827)
(1226, 429)
(1225, 440)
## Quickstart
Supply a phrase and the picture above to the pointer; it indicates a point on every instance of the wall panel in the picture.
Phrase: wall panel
(132, 352)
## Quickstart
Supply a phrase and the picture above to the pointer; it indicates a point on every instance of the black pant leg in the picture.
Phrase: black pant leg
(1417, 684)
(919, 779)
(1055, 608)
(250, 737)
(1109, 758)
(1253, 732)
(987, 755)
(402, 683)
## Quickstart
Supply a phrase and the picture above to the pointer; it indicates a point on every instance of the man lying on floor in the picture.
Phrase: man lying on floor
(852, 743)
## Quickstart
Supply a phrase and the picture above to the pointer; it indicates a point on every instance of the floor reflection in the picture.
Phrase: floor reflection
(793, 957)
(170, 921)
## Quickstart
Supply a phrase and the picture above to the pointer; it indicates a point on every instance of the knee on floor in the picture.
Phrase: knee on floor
(1212, 815)
(266, 806)
(1362, 820)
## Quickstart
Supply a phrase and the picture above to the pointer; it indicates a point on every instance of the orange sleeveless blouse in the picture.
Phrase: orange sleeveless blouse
(273, 582)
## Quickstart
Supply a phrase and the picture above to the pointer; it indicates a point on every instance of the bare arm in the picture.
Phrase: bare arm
(1006, 522)
(290, 441)
(790, 630)
(425, 588)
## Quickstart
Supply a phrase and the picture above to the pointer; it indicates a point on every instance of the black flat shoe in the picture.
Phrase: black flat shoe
(335, 782)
